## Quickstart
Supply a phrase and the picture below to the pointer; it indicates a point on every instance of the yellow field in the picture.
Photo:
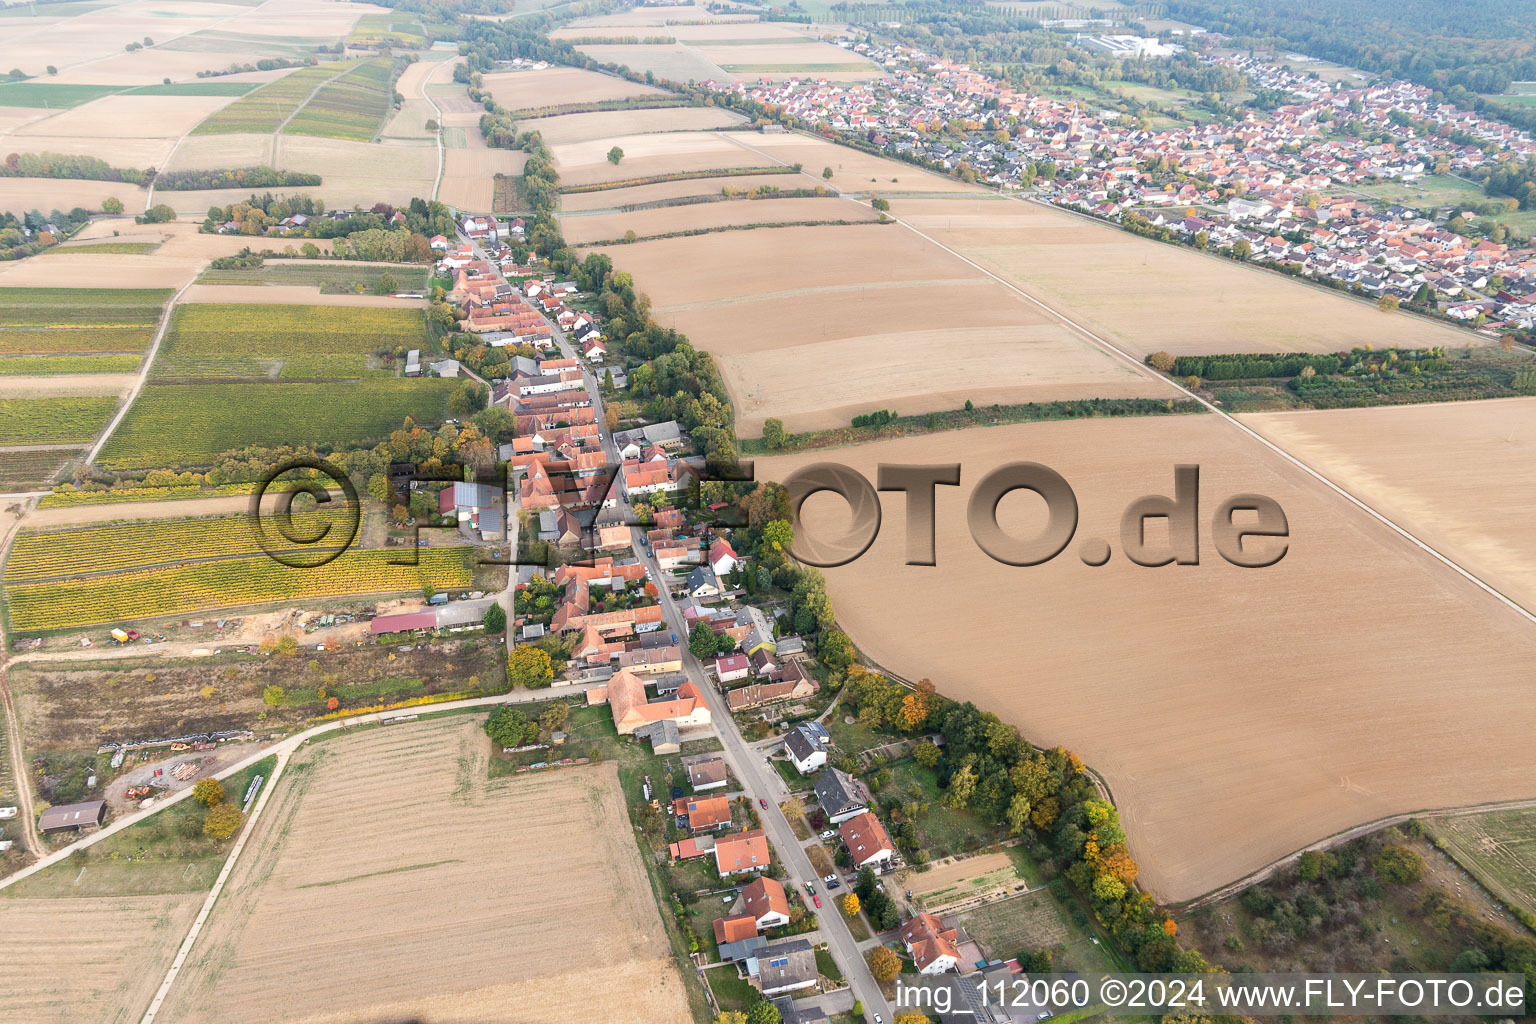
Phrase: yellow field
(1453, 473)
(489, 901)
(1236, 714)
(1146, 296)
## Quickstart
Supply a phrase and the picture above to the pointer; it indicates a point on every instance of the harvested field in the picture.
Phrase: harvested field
(583, 163)
(18, 195)
(125, 117)
(468, 174)
(1498, 848)
(124, 270)
(1450, 472)
(603, 124)
(723, 270)
(852, 169)
(1236, 714)
(607, 199)
(676, 63)
(1146, 296)
(449, 922)
(291, 294)
(518, 90)
(117, 949)
(825, 384)
(590, 228)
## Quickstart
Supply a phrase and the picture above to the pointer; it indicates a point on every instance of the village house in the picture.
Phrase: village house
(731, 667)
(931, 944)
(624, 693)
(704, 813)
(785, 967)
(807, 745)
(741, 852)
(841, 795)
(710, 773)
(868, 844)
(766, 902)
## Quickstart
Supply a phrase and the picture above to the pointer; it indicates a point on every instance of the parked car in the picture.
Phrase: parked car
(830, 879)
(834, 884)
(830, 833)
(816, 900)
(763, 802)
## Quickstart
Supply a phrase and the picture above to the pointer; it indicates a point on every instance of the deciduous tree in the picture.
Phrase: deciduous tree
(529, 667)
(223, 821)
(884, 964)
(208, 792)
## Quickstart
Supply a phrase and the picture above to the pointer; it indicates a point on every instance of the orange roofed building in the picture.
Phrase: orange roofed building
(625, 694)
(741, 852)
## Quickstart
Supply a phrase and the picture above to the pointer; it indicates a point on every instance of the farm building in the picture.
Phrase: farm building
(72, 817)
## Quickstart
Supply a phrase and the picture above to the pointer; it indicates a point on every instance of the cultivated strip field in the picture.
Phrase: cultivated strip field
(495, 901)
(1236, 714)
(1453, 473)
(853, 170)
(260, 340)
(267, 108)
(171, 589)
(607, 199)
(1146, 296)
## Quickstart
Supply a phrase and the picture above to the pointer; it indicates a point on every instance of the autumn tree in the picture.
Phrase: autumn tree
(111, 204)
(926, 754)
(1160, 361)
(764, 1013)
(884, 964)
(529, 667)
(208, 792)
(912, 1018)
(223, 821)
(1398, 865)
(851, 905)
(272, 695)
(773, 433)
(1388, 303)
(826, 172)
(611, 418)
(731, 1017)
(961, 785)
(505, 726)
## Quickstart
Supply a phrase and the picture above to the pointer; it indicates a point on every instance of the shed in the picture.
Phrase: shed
(402, 623)
(72, 817)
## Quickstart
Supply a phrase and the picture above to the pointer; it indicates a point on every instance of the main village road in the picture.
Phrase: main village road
(744, 760)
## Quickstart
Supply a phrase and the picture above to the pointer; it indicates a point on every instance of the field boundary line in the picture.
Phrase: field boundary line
(438, 120)
(149, 359)
(1328, 842)
(214, 893)
(1254, 435)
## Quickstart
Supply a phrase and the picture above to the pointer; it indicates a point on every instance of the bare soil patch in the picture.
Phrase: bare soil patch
(122, 270)
(116, 947)
(584, 163)
(128, 117)
(1147, 296)
(518, 90)
(825, 384)
(469, 175)
(852, 169)
(18, 195)
(1453, 473)
(449, 920)
(602, 124)
(611, 198)
(597, 227)
(1236, 714)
